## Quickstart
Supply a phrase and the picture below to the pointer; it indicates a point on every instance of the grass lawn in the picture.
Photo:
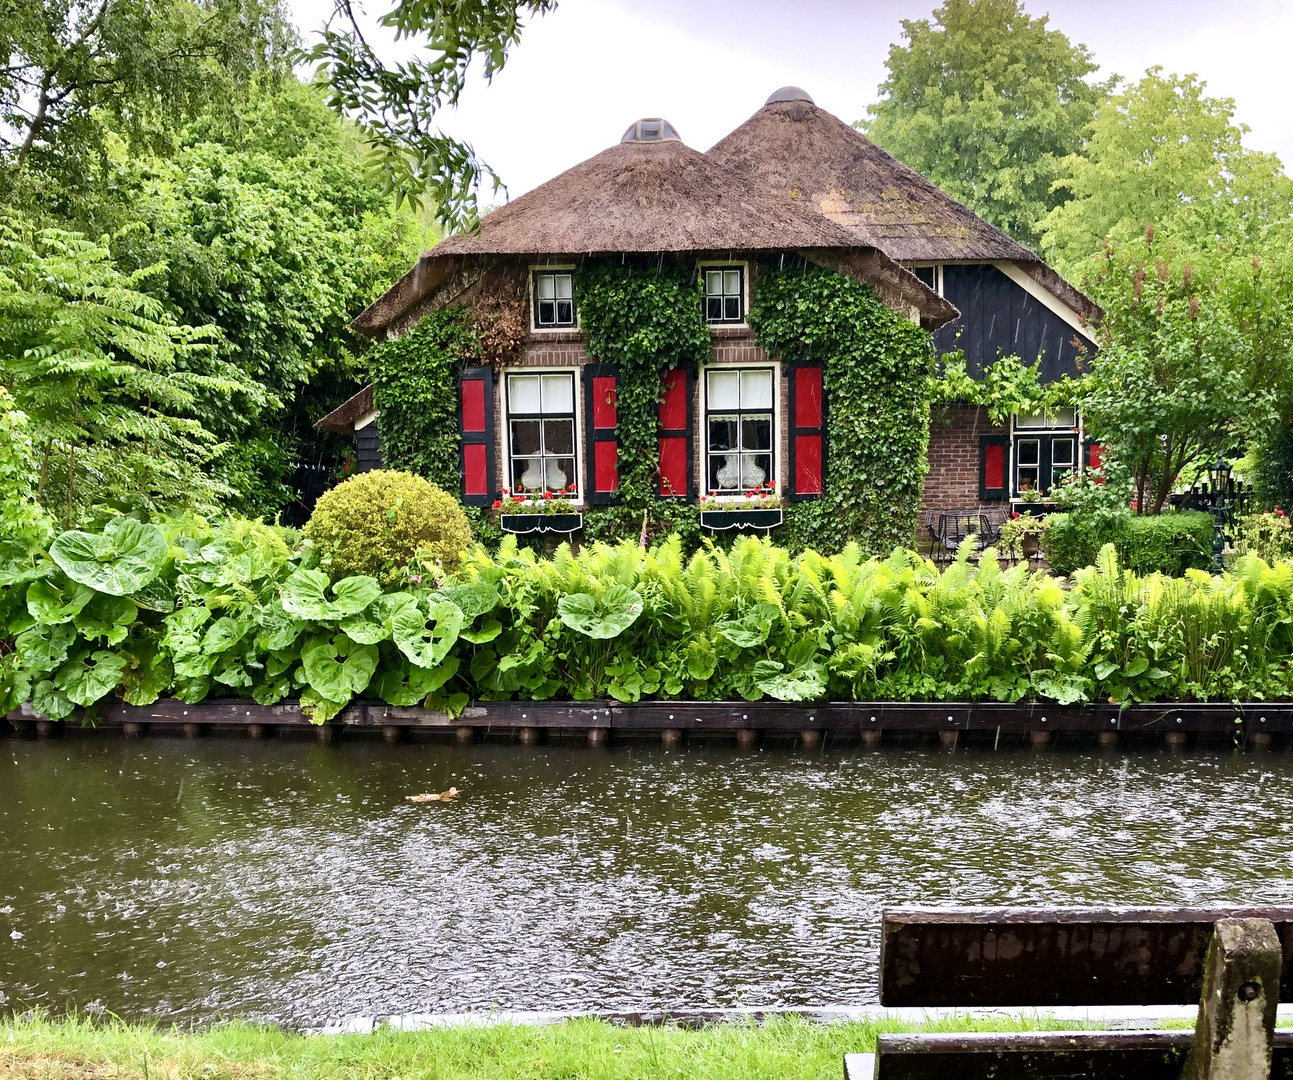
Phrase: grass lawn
(583, 1049)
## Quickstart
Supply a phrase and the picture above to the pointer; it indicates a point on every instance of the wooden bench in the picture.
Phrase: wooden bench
(1231, 962)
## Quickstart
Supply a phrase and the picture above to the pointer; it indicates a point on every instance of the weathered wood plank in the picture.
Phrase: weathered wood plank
(1052, 957)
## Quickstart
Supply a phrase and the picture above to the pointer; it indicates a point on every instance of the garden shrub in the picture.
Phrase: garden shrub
(380, 522)
(1162, 543)
(1268, 535)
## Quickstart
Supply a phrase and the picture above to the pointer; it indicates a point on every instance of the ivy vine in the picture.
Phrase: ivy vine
(876, 369)
(645, 320)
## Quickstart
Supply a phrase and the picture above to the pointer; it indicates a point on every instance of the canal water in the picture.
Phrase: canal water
(290, 882)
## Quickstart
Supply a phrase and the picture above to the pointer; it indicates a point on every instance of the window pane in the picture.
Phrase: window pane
(755, 469)
(724, 472)
(724, 389)
(545, 313)
(1030, 420)
(756, 389)
(732, 282)
(558, 437)
(525, 437)
(714, 309)
(722, 433)
(565, 313)
(527, 474)
(558, 393)
(714, 282)
(545, 287)
(1064, 418)
(1028, 452)
(560, 472)
(732, 309)
(523, 393)
(1062, 452)
(1027, 479)
(756, 433)
(563, 286)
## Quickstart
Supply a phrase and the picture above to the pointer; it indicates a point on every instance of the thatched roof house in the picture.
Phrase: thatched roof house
(793, 179)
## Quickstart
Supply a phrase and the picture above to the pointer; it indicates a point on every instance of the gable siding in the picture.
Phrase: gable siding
(998, 318)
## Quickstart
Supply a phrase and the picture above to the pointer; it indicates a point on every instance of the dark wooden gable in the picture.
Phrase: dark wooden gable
(1000, 318)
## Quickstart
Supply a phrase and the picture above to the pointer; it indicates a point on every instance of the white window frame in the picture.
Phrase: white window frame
(1020, 432)
(777, 406)
(938, 273)
(744, 267)
(553, 268)
(506, 411)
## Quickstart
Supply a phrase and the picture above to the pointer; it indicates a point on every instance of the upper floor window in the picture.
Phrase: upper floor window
(1045, 450)
(541, 431)
(931, 276)
(554, 299)
(724, 294)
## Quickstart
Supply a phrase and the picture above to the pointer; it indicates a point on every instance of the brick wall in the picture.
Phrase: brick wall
(953, 477)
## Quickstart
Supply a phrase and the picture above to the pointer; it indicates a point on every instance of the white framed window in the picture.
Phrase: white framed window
(542, 430)
(931, 274)
(1044, 450)
(552, 298)
(741, 409)
(724, 289)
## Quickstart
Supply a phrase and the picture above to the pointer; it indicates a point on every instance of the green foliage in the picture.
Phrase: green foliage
(645, 322)
(1178, 377)
(1162, 153)
(389, 525)
(23, 526)
(1007, 387)
(233, 611)
(876, 374)
(415, 382)
(112, 385)
(396, 105)
(1268, 535)
(1165, 544)
(77, 73)
(987, 102)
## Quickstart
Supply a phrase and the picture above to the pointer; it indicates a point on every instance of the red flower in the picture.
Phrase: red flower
(572, 487)
(497, 504)
(547, 494)
(507, 491)
(518, 498)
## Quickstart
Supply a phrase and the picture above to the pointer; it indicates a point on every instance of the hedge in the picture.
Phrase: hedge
(1164, 544)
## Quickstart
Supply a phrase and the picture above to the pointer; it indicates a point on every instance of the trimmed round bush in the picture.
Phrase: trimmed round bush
(381, 521)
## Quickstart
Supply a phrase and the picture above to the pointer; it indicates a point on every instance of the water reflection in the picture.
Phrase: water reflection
(292, 882)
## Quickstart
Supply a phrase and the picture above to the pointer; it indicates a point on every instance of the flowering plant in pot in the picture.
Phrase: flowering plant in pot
(764, 497)
(1022, 535)
(535, 502)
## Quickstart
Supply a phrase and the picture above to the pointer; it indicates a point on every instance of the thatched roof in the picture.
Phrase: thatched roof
(343, 417)
(646, 197)
(814, 159)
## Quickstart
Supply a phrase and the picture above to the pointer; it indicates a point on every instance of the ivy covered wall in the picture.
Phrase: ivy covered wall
(646, 319)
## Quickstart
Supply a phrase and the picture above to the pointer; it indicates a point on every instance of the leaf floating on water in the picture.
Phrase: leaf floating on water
(444, 796)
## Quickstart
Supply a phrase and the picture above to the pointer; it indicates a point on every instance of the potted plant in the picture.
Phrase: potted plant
(757, 509)
(1022, 535)
(539, 512)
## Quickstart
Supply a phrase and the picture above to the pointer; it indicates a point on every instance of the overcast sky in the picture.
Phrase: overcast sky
(582, 74)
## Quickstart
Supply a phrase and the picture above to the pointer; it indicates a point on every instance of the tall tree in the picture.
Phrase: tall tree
(1163, 153)
(73, 69)
(986, 101)
(396, 103)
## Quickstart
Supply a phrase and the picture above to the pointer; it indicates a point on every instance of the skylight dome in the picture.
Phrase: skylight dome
(789, 93)
(652, 129)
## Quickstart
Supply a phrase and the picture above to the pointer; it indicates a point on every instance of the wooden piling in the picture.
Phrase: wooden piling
(872, 737)
(670, 738)
(1175, 740)
(1107, 739)
(1041, 740)
(192, 731)
(464, 734)
(529, 736)
(597, 736)
(747, 738)
(1260, 740)
(255, 731)
(392, 733)
(810, 738)
(324, 733)
(132, 729)
(949, 739)
(44, 729)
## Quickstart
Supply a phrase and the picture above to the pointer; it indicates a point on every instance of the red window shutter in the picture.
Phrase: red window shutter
(675, 435)
(476, 428)
(601, 385)
(807, 432)
(993, 482)
(1094, 455)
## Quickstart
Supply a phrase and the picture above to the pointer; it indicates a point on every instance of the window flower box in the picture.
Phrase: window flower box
(546, 513)
(759, 509)
(716, 520)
